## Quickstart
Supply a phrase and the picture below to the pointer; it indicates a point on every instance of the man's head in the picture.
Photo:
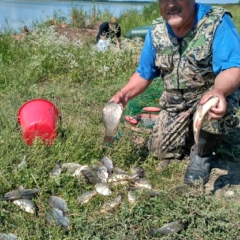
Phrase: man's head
(178, 13)
(113, 23)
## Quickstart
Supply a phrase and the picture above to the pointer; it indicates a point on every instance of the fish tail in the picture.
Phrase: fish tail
(108, 139)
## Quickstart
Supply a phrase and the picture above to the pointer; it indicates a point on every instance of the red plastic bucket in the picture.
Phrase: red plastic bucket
(38, 118)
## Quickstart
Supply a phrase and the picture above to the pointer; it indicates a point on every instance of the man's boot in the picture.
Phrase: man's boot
(200, 158)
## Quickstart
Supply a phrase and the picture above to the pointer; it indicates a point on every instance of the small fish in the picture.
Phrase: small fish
(70, 168)
(172, 227)
(21, 194)
(111, 116)
(140, 170)
(103, 189)
(142, 183)
(132, 197)
(102, 173)
(9, 236)
(26, 205)
(56, 172)
(200, 114)
(56, 216)
(107, 162)
(23, 164)
(90, 175)
(59, 203)
(122, 177)
(85, 197)
(109, 205)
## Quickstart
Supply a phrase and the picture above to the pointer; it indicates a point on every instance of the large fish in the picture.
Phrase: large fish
(111, 115)
(200, 114)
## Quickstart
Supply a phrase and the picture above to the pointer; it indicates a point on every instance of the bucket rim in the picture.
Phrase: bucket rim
(34, 100)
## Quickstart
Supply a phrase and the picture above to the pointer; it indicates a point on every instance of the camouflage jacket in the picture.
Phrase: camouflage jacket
(186, 63)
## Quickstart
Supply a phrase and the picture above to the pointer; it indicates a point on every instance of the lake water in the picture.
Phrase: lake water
(14, 14)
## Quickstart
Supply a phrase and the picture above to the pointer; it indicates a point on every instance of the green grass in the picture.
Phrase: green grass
(79, 81)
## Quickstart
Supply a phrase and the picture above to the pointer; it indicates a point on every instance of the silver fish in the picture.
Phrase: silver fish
(70, 168)
(140, 170)
(23, 164)
(142, 183)
(109, 205)
(90, 175)
(59, 203)
(102, 173)
(56, 216)
(107, 162)
(56, 172)
(122, 177)
(111, 116)
(173, 227)
(200, 114)
(103, 189)
(86, 196)
(21, 194)
(26, 204)
(4, 236)
(132, 197)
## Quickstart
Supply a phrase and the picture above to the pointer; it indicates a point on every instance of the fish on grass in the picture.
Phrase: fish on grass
(26, 205)
(109, 205)
(21, 194)
(56, 216)
(169, 228)
(59, 203)
(107, 162)
(111, 115)
(10, 236)
(86, 196)
(103, 189)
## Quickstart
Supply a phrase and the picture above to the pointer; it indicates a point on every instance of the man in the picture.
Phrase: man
(110, 30)
(195, 48)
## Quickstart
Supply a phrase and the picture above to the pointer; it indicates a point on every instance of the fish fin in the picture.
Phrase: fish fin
(108, 139)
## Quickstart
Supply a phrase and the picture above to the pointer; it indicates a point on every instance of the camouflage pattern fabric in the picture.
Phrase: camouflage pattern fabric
(172, 134)
(187, 62)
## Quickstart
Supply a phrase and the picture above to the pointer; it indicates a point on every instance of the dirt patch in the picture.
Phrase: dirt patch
(84, 34)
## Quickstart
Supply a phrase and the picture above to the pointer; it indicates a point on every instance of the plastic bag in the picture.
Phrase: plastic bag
(103, 45)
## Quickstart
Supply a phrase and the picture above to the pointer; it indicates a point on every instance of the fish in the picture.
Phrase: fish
(70, 168)
(131, 197)
(122, 177)
(21, 194)
(102, 173)
(85, 197)
(27, 205)
(90, 175)
(56, 172)
(111, 115)
(4, 236)
(142, 183)
(59, 203)
(23, 164)
(200, 114)
(56, 216)
(109, 205)
(172, 227)
(107, 162)
(103, 189)
(140, 170)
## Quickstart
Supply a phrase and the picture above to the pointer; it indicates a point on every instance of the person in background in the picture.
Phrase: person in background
(189, 48)
(110, 30)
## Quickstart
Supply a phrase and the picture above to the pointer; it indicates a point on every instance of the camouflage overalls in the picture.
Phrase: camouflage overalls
(186, 70)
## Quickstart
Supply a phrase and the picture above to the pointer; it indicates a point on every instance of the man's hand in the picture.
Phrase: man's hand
(220, 109)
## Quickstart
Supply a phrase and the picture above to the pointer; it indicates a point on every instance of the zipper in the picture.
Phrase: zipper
(180, 56)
